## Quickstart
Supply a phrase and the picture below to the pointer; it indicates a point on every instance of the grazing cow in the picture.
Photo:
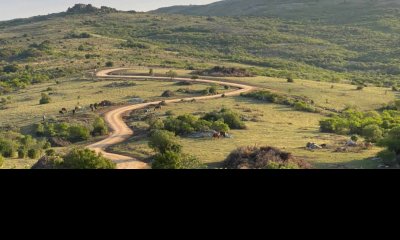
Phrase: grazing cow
(64, 110)
(217, 135)
(61, 112)
(223, 134)
(73, 112)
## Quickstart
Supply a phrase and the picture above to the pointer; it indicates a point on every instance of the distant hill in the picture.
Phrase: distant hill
(324, 10)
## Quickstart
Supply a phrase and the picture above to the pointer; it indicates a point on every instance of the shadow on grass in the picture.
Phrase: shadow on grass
(366, 163)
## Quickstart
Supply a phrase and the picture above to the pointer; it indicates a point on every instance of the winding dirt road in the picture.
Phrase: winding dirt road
(121, 132)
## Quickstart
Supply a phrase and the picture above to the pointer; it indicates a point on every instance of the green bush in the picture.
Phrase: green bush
(8, 148)
(50, 152)
(1, 161)
(99, 127)
(78, 133)
(232, 119)
(22, 153)
(86, 159)
(33, 153)
(109, 64)
(303, 107)
(45, 99)
(372, 133)
(163, 141)
(175, 160)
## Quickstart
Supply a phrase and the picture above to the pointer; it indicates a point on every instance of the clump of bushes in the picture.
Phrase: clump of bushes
(229, 117)
(263, 158)
(220, 121)
(169, 152)
(371, 125)
(75, 159)
(86, 159)
(14, 144)
(219, 71)
(303, 104)
(121, 84)
(72, 132)
(73, 35)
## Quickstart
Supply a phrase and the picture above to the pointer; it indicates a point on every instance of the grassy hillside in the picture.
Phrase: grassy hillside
(366, 51)
(333, 11)
(58, 54)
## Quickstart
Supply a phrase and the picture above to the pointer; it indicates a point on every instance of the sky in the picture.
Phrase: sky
(10, 9)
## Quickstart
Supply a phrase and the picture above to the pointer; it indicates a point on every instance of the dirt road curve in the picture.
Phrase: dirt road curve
(121, 132)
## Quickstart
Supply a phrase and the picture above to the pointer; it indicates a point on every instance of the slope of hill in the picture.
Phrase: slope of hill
(323, 10)
(366, 51)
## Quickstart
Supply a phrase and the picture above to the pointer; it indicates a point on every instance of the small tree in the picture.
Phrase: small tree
(171, 74)
(87, 159)
(45, 99)
(163, 141)
(290, 79)
(99, 127)
(151, 72)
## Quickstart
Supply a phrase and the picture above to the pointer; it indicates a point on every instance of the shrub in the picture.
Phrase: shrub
(1, 161)
(99, 127)
(22, 153)
(7, 148)
(388, 157)
(109, 64)
(86, 159)
(175, 160)
(232, 119)
(33, 153)
(290, 80)
(392, 142)
(78, 133)
(220, 126)
(372, 133)
(303, 107)
(45, 99)
(262, 96)
(360, 87)
(164, 141)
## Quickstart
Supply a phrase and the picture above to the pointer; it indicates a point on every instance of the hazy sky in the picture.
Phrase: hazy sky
(10, 9)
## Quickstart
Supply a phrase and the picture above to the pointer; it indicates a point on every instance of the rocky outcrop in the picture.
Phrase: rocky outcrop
(89, 8)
